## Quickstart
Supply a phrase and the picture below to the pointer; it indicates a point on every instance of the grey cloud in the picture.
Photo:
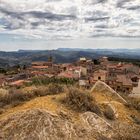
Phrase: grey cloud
(16, 20)
(10, 13)
(96, 19)
(64, 18)
(35, 24)
(97, 16)
(50, 16)
(102, 1)
(137, 7)
(112, 35)
(101, 26)
(120, 3)
(9, 24)
(93, 2)
(38, 14)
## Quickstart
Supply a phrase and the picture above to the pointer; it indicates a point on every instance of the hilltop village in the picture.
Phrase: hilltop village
(70, 101)
(122, 77)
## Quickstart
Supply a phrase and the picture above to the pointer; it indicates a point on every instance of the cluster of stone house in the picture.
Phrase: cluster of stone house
(121, 77)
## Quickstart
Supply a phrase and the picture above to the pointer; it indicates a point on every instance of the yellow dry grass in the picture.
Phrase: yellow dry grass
(50, 103)
(124, 112)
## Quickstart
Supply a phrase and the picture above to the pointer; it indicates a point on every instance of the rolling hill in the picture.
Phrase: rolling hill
(64, 55)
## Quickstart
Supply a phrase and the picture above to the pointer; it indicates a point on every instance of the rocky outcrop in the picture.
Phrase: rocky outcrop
(107, 92)
(96, 123)
(38, 124)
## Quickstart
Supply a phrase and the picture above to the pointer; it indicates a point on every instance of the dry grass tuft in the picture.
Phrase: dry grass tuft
(3, 92)
(56, 89)
(81, 101)
(16, 97)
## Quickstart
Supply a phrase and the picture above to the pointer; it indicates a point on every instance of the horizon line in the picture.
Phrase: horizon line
(69, 48)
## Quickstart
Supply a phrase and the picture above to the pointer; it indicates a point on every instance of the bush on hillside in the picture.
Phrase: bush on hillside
(1, 111)
(109, 115)
(39, 91)
(55, 89)
(16, 96)
(136, 103)
(81, 101)
(51, 89)
(3, 92)
(133, 103)
(53, 80)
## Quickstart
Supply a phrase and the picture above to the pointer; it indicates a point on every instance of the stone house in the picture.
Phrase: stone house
(123, 84)
(99, 75)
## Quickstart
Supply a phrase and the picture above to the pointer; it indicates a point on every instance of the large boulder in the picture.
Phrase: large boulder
(39, 124)
(36, 124)
(106, 92)
(96, 123)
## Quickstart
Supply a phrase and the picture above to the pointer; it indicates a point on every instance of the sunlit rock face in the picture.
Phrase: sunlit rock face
(39, 124)
(65, 19)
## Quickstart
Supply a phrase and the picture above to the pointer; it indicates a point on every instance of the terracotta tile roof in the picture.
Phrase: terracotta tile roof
(38, 72)
(17, 83)
(101, 72)
(39, 63)
(124, 80)
(68, 75)
(120, 65)
(132, 75)
(66, 64)
(111, 66)
(74, 68)
(2, 81)
(40, 67)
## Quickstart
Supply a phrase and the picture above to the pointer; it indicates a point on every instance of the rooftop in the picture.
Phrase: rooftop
(100, 71)
(17, 83)
(40, 67)
(124, 80)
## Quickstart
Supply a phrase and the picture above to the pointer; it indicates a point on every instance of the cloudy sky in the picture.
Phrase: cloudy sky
(49, 24)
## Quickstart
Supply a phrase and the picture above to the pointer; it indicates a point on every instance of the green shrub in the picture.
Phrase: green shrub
(53, 80)
(81, 101)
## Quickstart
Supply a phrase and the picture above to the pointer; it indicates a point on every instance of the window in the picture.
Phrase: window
(127, 89)
(99, 78)
(118, 87)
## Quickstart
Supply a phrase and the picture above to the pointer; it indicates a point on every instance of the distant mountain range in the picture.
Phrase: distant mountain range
(63, 55)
